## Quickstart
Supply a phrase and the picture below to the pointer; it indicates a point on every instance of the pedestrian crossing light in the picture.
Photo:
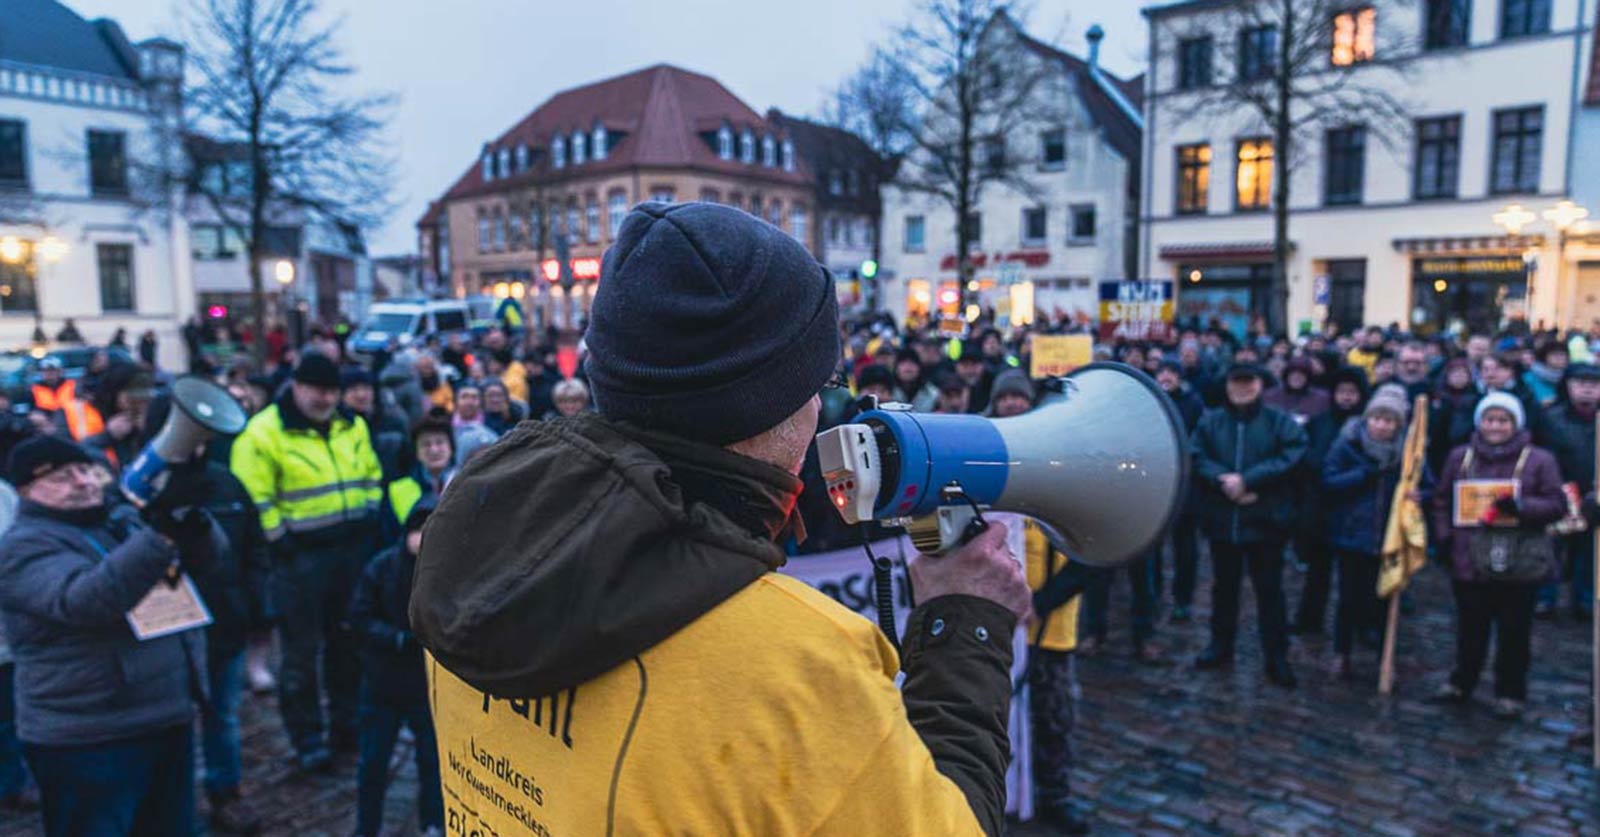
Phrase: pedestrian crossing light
(869, 269)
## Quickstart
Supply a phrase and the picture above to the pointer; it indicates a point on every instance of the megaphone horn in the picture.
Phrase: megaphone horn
(201, 410)
(1103, 465)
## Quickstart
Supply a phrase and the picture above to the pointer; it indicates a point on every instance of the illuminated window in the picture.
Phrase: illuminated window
(1194, 178)
(1354, 36)
(1253, 178)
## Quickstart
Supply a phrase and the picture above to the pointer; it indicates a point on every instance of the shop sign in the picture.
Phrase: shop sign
(1468, 265)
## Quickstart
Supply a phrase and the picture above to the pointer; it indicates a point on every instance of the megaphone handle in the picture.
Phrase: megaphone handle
(959, 525)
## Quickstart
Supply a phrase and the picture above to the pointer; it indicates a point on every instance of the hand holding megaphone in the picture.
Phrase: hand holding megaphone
(983, 567)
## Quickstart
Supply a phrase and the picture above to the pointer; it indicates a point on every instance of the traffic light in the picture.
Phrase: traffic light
(869, 269)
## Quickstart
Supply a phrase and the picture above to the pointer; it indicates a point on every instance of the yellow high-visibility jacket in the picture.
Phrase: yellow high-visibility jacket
(1061, 628)
(301, 481)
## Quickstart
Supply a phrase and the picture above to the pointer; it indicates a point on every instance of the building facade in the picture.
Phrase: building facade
(533, 215)
(1039, 254)
(90, 222)
(1392, 220)
(849, 209)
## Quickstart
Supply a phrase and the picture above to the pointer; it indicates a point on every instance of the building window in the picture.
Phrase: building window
(852, 180)
(488, 169)
(214, 242)
(116, 276)
(1354, 36)
(1438, 158)
(535, 228)
(1346, 166)
(108, 163)
(1447, 23)
(1082, 223)
(994, 155)
(1253, 178)
(747, 147)
(483, 234)
(515, 219)
(1524, 17)
(849, 232)
(574, 222)
(975, 229)
(616, 210)
(797, 223)
(836, 182)
(579, 148)
(505, 163)
(914, 242)
(555, 224)
(775, 213)
(769, 152)
(19, 283)
(1034, 229)
(725, 143)
(736, 200)
(13, 154)
(1194, 63)
(591, 221)
(662, 194)
(600, 138)
(499, 233)
(755, 206)
(1053, 148)
(1347, 290)
(709, 195)
(1194, 178)
(1258, 53)
(522, 158)
(788, 157)
(1518, 135)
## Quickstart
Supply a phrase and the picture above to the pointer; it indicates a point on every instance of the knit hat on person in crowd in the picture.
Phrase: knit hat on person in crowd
(317, 370)
(1247, 370)
(709, 323)
(432, 424)
(354, 378)
(1386, 400)
(1012, 382)
(1500, 401)
(1583, 372)
(971, 350)
(40, 455)
(874, 374)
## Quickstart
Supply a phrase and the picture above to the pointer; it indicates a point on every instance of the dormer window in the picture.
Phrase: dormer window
(558, 152)
(599, 142)
(769, 152)
(788, 155)
(488, 166)
(579, 144)
(505, 163)
(747, 147)
(522, 158)
(725, 143)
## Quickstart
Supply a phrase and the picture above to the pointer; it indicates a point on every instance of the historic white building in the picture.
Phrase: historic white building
(90, 226)
(1403, 230)
(1043, 253)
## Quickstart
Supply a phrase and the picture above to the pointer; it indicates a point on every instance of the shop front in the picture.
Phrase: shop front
(1221, 284)
(1468, 294)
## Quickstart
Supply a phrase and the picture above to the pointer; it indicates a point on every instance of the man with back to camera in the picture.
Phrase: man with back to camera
(624, 659)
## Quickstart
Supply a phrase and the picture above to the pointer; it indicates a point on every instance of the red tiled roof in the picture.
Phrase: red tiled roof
(654, 117)
(430, 216)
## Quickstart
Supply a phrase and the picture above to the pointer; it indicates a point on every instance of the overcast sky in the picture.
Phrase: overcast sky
(467, 70)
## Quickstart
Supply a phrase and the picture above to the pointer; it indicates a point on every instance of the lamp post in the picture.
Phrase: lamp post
(1566, 217)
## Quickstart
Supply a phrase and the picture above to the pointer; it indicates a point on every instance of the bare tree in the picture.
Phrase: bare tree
(971, 79)
(876, 103)
(269, 94)
(1303, 67)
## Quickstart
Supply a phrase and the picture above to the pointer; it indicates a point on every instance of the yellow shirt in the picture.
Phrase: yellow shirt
(773, 714)
(516, 380)
(1061, 629)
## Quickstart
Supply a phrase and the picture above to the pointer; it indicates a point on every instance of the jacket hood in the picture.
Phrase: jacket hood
(575, 544)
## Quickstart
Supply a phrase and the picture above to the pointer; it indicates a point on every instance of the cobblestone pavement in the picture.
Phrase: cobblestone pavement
(1167, 750)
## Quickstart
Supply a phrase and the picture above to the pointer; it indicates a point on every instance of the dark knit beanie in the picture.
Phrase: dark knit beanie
(318, 370)
(39, 456)
(875, 374)
(709, 323)
(354, 377)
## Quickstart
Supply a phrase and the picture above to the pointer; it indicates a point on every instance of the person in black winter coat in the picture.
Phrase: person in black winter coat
(1348, 388)
(1245, 458)
(391, 440)
(1185, 532)
(1568, 431)
(1359, 478)
(394, 687)
(1450, 422)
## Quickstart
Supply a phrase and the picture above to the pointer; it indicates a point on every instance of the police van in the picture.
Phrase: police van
(408, 321)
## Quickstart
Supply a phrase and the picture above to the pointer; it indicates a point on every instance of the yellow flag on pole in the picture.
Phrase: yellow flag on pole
(1405, 538)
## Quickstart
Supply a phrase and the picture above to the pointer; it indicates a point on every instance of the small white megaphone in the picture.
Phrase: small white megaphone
(1103, 465)
(200, 411)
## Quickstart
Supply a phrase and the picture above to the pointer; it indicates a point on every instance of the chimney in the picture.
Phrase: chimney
(1095, 36)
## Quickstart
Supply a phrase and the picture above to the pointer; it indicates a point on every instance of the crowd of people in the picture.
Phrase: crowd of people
(301, 534)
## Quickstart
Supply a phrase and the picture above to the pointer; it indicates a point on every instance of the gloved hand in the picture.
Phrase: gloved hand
(189, 529)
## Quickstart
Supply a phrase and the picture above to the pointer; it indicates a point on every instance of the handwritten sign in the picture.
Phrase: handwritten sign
(1474, 498)
(168, 609)
(1134, 309)
(1059, 354)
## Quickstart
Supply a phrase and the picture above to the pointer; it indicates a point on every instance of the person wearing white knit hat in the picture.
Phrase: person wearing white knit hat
(1501, 401)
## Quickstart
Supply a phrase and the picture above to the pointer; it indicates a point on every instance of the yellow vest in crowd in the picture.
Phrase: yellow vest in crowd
(302, 482)
(775, 713)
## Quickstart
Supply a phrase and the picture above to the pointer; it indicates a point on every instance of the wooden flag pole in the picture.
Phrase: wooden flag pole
(1386, 672)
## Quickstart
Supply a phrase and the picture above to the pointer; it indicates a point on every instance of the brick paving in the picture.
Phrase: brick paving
(1168, 750)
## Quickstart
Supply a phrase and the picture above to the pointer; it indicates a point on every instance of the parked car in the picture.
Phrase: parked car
(19, 370)
(408, 321)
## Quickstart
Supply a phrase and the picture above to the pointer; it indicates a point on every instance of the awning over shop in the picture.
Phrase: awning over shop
(1218, 251)
(1469, 244)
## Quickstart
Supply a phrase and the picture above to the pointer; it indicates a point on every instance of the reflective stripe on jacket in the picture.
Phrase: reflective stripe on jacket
(302, 481)
(83, 421)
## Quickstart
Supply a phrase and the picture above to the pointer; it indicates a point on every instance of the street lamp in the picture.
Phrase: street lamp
(1566, 218)
(1514, 218)
(283, 271)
